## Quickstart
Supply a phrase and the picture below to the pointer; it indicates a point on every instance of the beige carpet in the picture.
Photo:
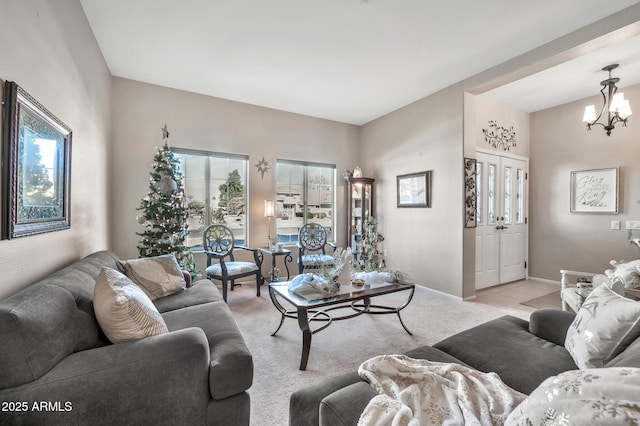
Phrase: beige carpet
(551, 300)
(343, 346)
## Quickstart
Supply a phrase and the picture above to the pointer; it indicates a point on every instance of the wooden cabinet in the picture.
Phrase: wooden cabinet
(360, 206)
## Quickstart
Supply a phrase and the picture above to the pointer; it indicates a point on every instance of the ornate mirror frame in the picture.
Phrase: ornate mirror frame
(36, 167)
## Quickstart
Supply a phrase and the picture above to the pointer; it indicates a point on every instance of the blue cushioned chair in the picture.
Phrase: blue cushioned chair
(312, 243)
(219, 244)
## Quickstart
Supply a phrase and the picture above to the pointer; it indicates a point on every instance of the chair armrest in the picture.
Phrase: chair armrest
(157, 380)
(332, 245)
(257, 254)
(551, 324)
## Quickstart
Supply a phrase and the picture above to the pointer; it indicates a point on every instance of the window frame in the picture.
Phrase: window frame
(208, 155)
(305, 197)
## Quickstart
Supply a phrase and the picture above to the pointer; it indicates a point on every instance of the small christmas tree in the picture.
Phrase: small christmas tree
(163, 212)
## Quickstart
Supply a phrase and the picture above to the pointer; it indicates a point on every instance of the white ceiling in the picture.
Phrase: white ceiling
(576, 79)
(346, 60)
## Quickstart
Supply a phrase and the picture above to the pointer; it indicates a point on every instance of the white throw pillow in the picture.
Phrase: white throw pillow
(627, 272)
(158, 276)
(603, 396)
(123, 310)
(604, 326)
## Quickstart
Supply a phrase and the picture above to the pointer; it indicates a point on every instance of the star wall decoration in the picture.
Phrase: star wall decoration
(263, 167)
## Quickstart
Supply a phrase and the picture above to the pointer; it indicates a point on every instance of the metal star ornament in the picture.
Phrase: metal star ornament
(165, 134)
(263, 167)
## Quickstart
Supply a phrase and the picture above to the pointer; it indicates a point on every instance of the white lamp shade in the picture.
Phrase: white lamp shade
(625, 109)
(269, 208)
(616, 102)
(589, 114)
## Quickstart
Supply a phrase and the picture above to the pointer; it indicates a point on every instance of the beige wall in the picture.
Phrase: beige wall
(560, 144)
(506, 116)
(207, 123)
(48, 49)
(425, 243)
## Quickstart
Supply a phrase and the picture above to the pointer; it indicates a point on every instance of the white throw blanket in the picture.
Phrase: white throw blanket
(416, 392)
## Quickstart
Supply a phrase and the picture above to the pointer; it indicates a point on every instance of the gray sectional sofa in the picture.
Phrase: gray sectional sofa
(57, 367)
(523, 354)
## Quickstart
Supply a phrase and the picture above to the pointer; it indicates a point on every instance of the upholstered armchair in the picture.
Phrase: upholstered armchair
(312, 246)
(219, 245)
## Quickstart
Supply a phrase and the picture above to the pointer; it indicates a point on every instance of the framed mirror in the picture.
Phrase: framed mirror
(36, 167)
(414, 189)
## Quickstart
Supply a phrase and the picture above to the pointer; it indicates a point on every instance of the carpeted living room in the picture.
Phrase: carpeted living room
(438, 153)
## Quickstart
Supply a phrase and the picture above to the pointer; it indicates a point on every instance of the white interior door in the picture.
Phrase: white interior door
(501, 220)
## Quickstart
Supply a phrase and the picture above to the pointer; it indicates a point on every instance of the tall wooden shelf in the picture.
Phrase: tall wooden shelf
(360, 206)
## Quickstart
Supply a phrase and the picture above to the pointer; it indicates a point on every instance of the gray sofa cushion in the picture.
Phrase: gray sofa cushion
(492, 346)
(203, 291)
(39, 327)
(231, 369)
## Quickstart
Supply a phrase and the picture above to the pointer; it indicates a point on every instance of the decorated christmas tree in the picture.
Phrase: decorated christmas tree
(163, 212)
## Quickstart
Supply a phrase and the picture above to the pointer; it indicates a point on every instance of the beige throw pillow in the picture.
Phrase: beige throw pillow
(158, 276)
(604, 326)
(122, 309)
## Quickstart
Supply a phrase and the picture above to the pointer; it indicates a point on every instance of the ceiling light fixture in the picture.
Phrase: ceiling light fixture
(618, 108)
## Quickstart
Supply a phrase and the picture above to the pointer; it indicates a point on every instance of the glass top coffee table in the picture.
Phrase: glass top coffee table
(355, 301)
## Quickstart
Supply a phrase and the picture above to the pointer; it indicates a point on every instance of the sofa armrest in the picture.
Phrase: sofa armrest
(156, 380)
(344, 406)
(304, 404)
(551, 324)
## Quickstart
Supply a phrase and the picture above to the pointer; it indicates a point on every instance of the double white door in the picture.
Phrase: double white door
(501, 219)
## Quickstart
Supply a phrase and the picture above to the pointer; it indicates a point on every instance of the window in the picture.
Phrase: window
(305, 192)
(215, 185)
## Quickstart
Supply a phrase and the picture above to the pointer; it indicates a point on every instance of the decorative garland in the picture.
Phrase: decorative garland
(500, 137)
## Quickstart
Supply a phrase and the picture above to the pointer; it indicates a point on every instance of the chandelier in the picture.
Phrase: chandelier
(617, 107)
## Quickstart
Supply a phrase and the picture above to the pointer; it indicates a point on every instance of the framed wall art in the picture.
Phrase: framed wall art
(594, 191)
(414, 190)
(470, 193)
(36, 171)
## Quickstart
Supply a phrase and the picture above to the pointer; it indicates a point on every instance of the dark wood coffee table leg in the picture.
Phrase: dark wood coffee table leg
(303, 322)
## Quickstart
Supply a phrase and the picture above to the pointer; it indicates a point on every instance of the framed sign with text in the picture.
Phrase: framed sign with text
(594, 191)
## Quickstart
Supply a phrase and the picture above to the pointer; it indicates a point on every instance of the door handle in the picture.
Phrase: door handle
(501, 227)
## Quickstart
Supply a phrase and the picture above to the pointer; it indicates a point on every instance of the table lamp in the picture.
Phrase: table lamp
(269, 212)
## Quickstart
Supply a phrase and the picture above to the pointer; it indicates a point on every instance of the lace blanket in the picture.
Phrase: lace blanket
(417, 392)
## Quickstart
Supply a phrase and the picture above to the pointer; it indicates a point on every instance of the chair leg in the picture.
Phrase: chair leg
(224, 290)
(233, 284)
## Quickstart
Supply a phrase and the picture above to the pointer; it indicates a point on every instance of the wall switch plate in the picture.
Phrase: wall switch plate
(615, 224)
(633, 224)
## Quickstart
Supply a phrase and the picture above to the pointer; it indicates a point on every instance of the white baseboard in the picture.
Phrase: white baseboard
(544, 280)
